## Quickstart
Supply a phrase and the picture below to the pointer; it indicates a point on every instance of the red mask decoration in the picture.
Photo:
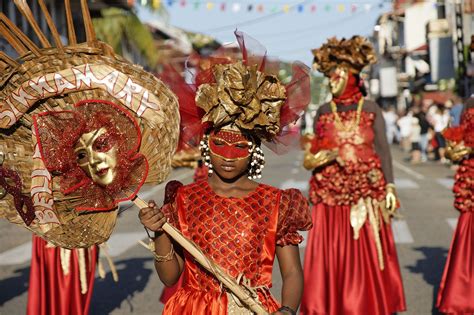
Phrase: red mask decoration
(229, 145)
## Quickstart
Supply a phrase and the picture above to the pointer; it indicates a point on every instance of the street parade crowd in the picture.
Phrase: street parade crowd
(82, 130)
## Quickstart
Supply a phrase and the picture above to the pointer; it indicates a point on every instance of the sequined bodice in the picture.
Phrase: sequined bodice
(361, 175)
(231, 231)
(354, 142)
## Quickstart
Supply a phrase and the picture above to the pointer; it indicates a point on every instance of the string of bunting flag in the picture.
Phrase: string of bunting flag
(261, 6)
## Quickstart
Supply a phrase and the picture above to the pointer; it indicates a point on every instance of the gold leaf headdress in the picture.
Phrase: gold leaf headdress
(354, 54)
(244, 97)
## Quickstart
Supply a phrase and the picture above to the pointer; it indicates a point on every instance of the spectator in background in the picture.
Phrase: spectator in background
(415, 141)
(424, 137)
(455, 109)
(440, 120)
(405, 125)
(391, 129)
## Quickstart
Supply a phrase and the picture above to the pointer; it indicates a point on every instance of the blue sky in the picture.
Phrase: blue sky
(287, 36)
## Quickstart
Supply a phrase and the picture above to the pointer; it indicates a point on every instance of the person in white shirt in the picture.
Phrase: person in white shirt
(391, 118)
(440, 120)
(405, 125)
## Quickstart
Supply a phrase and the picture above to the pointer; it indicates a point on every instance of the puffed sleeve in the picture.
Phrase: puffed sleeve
(293, 216)
(170, 206)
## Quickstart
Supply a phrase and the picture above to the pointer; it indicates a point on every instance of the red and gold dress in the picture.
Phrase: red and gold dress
(351, 264)
(239, 234)
(456, 290)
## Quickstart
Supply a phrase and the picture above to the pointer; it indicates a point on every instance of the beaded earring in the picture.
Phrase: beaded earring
(257, 161)
(204, 148)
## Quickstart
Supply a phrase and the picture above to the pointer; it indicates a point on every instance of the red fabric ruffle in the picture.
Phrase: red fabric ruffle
(294, 216)
(455, 134)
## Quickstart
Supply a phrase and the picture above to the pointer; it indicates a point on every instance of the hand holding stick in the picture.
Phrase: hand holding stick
(244, 294)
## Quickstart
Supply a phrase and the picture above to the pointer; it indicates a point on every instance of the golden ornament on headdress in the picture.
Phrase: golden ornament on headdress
(353, 54)
(244, 97)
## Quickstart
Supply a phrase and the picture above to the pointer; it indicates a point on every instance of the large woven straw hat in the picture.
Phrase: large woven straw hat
(63, 79)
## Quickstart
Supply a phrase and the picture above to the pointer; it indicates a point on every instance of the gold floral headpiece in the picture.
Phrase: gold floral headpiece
(354, 54)
(244, 97)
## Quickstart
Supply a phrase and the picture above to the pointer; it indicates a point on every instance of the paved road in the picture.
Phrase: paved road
(422, 237)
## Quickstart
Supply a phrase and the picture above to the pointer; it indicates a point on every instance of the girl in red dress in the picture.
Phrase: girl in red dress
(351, 264)
(237, 222)
(456, 291)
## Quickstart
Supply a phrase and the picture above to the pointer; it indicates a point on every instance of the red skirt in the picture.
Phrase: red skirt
(50, 291)
(342, 275)
(456, 290)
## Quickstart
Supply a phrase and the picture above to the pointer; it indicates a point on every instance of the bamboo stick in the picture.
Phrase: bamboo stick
(13, 40)
(90, 32)
(70, 23)
(6, 59)
(19, 41)
(52, 27)
(242, 293)
(25, 10)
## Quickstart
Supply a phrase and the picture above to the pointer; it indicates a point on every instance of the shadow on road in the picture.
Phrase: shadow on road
(431, 267)
(14, 286)
(133, 278)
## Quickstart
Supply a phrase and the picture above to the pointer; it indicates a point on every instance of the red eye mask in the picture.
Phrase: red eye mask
(229, 145)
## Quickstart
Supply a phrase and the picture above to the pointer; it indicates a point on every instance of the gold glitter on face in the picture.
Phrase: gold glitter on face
(338, 81)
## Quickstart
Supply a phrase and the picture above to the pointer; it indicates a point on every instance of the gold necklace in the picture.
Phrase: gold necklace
(337, 119)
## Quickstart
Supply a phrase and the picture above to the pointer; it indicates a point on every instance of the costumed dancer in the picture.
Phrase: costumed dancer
(350, 264)
(72, 118)
(456, 290)
(241, 224)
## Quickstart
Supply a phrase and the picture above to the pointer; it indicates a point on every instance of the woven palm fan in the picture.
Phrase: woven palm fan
(49, 93)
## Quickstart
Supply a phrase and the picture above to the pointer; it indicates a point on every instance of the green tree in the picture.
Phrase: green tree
(117, 25)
